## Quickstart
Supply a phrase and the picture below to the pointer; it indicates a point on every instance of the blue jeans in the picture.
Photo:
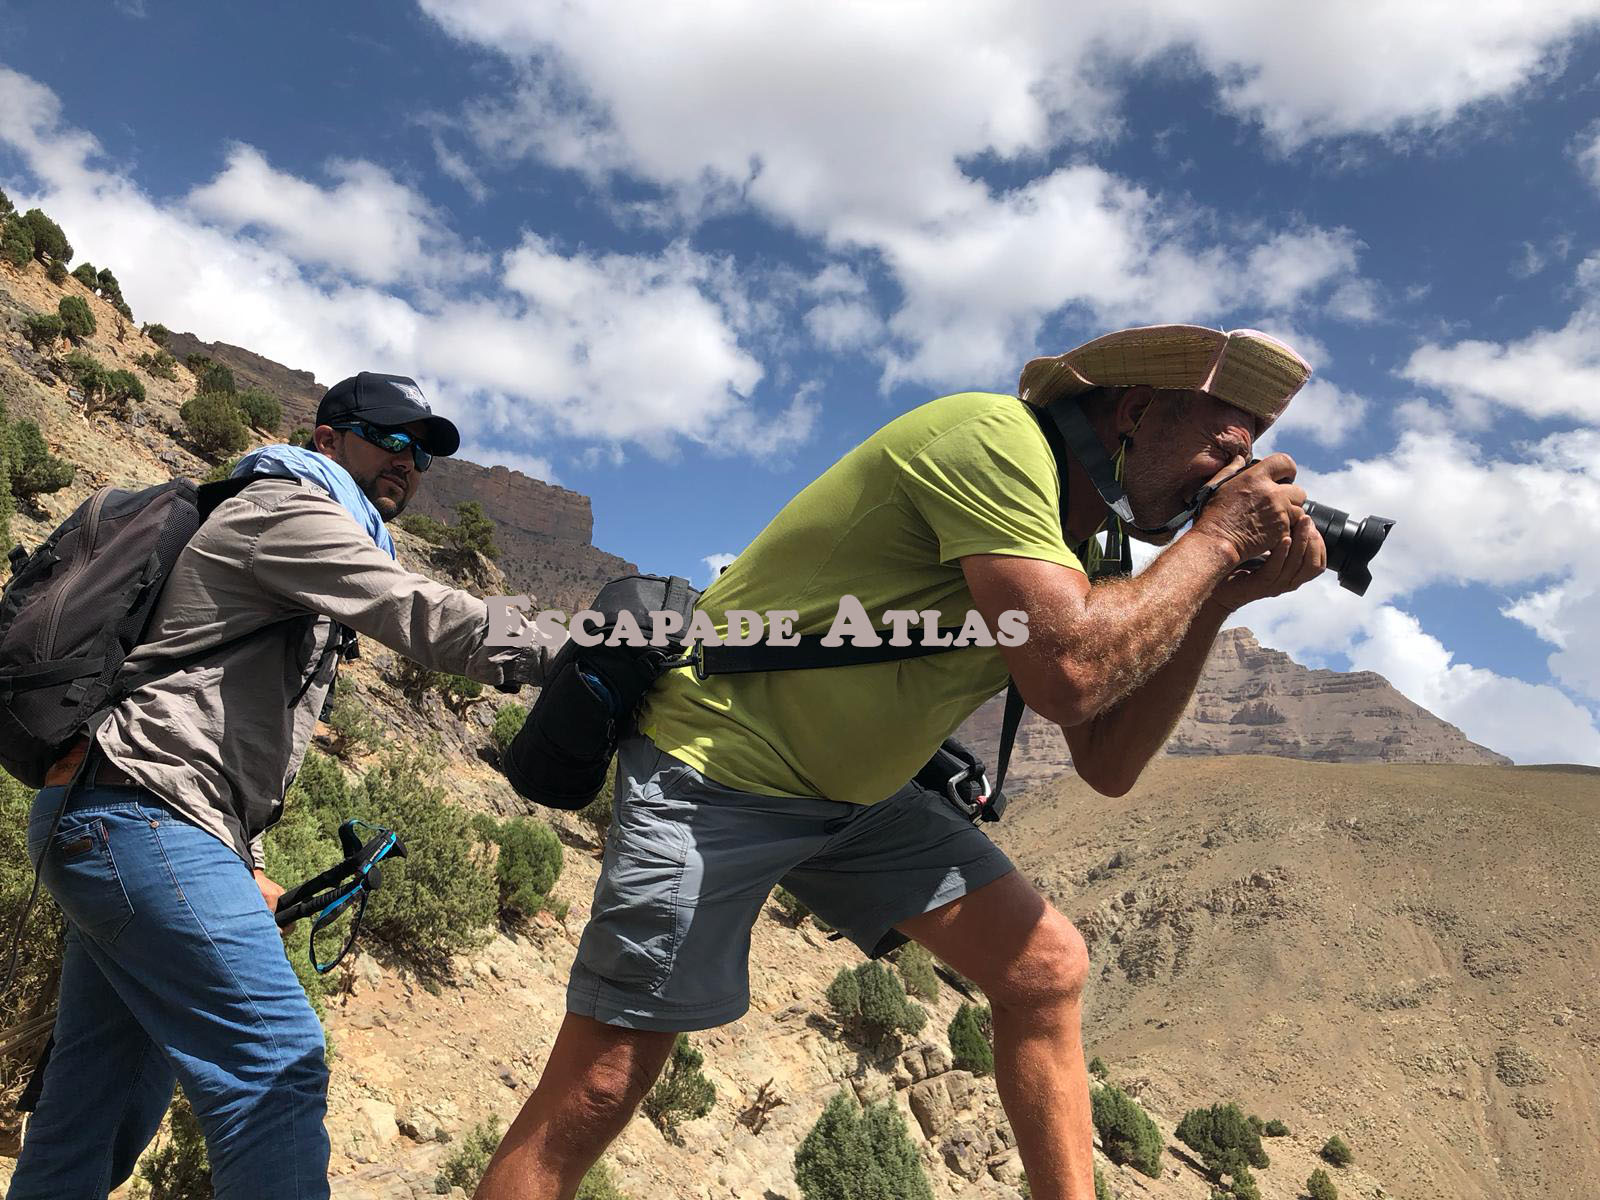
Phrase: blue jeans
(173, 972)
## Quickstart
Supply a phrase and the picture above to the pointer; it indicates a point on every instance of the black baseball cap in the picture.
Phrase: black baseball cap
(388, 400)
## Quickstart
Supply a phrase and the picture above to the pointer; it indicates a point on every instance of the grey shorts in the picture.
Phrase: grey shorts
(689, 863)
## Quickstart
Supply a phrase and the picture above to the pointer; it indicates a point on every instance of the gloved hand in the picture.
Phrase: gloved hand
(526, 665)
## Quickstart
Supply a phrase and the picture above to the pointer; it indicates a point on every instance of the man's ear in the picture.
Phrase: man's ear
(325, 440)
(1132, 408)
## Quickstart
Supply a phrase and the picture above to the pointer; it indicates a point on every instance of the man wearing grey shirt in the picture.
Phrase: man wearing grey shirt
(173, 970)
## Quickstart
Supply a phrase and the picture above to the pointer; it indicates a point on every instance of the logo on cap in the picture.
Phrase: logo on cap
(413, 393)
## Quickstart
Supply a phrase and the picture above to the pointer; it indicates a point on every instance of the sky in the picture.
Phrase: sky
(682, 258)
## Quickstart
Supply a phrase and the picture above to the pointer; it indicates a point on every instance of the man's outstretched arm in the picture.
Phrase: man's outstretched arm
(1119, 742)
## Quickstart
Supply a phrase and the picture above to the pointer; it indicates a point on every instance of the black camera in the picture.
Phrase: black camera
(1351, 544)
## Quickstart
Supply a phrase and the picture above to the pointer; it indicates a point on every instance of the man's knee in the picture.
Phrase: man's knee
(600, 1103)
(1051, 970)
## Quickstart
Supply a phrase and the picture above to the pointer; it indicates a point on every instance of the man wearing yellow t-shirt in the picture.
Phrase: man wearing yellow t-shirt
(737, 783)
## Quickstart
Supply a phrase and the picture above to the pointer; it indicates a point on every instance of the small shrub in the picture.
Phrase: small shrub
(88, 372)
(508, 722)
(415, 681)
(471, 535)
(222, 470)
(56, 273)
(123, 388)
(211, 376)
(109, 287)
(214, 424)
(459, 691)
(915, 965)
(349, 723)
(880, 1011)
(85, 274)
(1224, 1139)
(179, 1169)
(1337, 1152)
(7, 507)
(42, 330)
(470, 1159)
(424, 527)
(527, 868)
(6, 207)
(1242, 1185)
(1320, 1186)
(300, 437)
(16, 242)
(1126, 1130)
(159, 334)
(159, 365)
(34, 470)
(33, 991)
(48, 240)
(440, 899)
(1275, 1128)
(972, 1040)
(1098, 1068)
(76, 319)
(790, 905)
(844, 994)
(598, 1185)
(854, 1155)
(682, 1093)
(597, 813)
(1102, 1189)
(261, 410)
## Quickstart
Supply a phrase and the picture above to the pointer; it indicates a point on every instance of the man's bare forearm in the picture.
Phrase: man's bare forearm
(1110, 751)
(1130, 628)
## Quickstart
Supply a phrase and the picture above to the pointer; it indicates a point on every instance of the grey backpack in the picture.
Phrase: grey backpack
(78, 605)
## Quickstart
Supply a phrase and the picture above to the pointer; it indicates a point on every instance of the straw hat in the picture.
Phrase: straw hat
(1244, 367)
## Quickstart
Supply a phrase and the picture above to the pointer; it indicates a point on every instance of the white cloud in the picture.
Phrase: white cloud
(1078, 242)
(1586, 153)
(368, 225)
(1321, 412)
(841, 325)
(1529, 722)
(1550, 374)
(1530, 264)
(1288, 265)
(642, 348)
(1463, 517)
(856, 134)
(714, 564)
(1013, 79)
(1371, 67)
(534, 466)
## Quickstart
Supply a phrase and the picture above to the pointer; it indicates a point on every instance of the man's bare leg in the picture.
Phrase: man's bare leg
(1032, 965)
(595, 1078)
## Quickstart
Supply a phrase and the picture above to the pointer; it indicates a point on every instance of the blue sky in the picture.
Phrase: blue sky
(681, 259)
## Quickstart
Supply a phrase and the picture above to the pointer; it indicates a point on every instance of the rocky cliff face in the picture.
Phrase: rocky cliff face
(544, 531)
(1253, 700)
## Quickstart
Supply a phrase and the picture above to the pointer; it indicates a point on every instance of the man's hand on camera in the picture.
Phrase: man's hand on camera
(1254, 513)
(1298, 559)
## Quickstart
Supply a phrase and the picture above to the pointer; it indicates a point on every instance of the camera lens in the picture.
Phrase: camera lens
(1351, 547)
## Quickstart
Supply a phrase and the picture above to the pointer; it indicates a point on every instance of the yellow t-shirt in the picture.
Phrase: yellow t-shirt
(887, 524)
